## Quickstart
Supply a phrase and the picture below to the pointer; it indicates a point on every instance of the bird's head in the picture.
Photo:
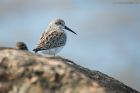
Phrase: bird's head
(59, 24)
(21, 46)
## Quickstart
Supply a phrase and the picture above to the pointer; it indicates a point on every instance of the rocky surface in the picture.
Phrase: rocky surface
(26, 72)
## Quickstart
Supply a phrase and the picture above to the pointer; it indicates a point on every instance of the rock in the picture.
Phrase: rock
(26, 72)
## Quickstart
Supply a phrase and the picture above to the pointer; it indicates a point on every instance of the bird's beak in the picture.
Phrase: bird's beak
(69, 30)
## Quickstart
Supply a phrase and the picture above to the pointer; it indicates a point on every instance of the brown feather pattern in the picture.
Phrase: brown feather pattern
(52, 39)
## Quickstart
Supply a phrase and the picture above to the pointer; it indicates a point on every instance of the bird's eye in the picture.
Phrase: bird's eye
(58, 23)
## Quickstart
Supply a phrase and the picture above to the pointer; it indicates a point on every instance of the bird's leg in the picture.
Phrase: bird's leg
(55, 52)
(49, 51)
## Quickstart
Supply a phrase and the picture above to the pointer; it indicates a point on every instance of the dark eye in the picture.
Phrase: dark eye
(58, 23)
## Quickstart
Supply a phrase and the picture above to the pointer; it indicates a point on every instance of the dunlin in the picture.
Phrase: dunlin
(54, 38)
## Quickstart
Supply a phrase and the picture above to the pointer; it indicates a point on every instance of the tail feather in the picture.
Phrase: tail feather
(36, 50)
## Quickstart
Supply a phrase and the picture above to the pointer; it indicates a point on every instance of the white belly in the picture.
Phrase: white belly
(52, 51)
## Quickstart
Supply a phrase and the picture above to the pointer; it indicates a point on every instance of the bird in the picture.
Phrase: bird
(54, 38)
(18, 46)
(21, 46)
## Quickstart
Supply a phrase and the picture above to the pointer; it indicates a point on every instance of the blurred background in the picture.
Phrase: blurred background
(108, 31)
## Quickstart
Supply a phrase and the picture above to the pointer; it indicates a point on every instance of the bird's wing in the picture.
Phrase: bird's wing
(51, 40)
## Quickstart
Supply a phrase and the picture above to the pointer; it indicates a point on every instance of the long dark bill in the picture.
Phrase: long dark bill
(69, 30)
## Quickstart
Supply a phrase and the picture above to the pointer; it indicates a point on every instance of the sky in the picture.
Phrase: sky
(108, 31)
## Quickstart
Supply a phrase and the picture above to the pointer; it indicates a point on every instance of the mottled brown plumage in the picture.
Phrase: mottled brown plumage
(53, 38)
(21, 46)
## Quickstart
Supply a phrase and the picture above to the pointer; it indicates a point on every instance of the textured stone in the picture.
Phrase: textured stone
(26, 72)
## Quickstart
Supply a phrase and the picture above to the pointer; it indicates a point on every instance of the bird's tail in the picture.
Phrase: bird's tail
(36, 50)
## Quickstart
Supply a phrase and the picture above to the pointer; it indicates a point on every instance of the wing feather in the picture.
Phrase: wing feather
(51, 40)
